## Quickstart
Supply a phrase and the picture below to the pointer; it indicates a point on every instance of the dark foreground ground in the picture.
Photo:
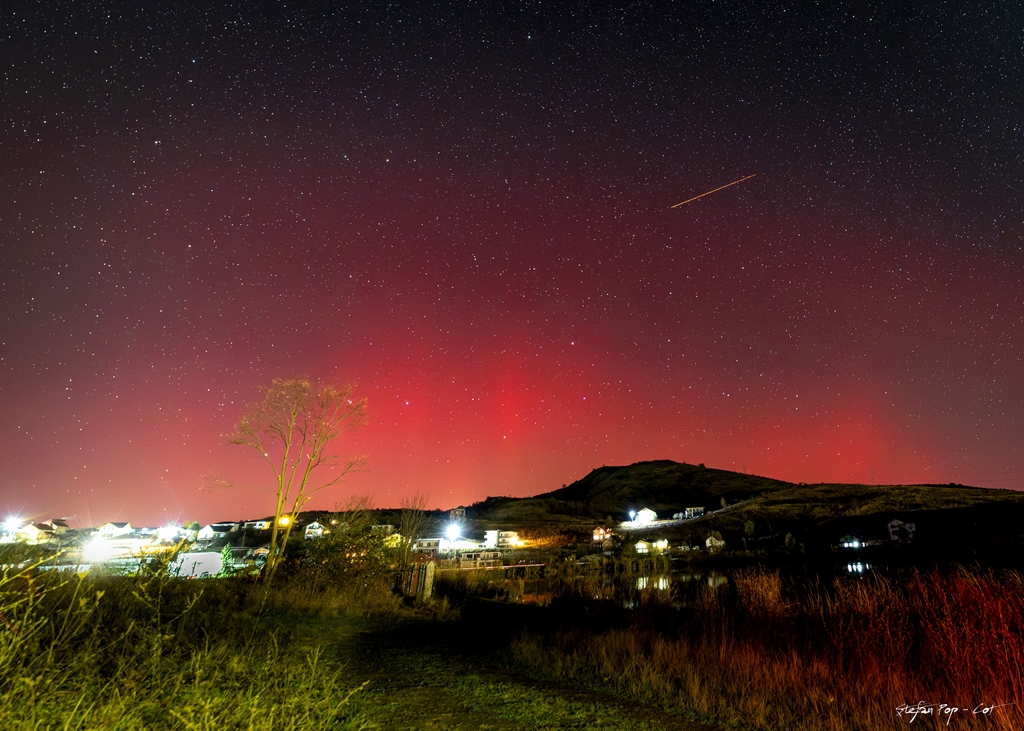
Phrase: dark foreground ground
(427, 675)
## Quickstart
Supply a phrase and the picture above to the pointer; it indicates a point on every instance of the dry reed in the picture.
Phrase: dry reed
(842, 657)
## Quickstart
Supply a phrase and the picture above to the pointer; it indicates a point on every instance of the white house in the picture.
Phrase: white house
(112, 530)
(428, 545)
(503, 540)
(645, 516)
(214, 530)
(36, 533)
(900, 531)
(851, 541)
(479, 559)
(315, 530)
(658, 546)
(263, 524)
(714, 545)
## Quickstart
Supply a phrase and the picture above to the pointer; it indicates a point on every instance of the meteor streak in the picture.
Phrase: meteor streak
(688, 200)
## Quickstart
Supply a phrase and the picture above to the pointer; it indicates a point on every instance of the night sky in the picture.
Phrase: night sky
(466, 211)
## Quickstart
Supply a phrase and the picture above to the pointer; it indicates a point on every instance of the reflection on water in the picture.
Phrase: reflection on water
(629, 585)
(712, 578)
(624, 587)
(661, 583)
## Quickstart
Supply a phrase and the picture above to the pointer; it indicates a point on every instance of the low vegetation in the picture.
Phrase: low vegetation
(151, 652)
(771, 654)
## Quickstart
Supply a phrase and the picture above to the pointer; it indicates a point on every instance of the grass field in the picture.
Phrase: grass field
(152, 652)
(148, 652)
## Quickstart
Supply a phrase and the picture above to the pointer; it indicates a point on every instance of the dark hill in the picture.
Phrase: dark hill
(664, 486)
(817, 513)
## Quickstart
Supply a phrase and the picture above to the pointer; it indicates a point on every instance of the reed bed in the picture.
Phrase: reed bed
(870, 654)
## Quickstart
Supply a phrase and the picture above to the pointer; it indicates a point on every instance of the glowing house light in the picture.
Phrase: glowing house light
(98, 550)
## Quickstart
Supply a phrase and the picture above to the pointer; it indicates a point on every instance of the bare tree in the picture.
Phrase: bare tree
(411, 524)
(292, 428)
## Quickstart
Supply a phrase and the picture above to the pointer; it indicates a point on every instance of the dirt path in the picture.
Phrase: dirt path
(425, 675)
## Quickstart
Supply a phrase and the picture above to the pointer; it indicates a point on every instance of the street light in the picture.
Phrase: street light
(453, 531)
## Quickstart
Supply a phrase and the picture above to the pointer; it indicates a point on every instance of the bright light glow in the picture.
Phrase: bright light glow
(168, 533)
(12, 524)
(644, 517)
(453, 531)
(97, 550)
(632, 515)
(284, 520)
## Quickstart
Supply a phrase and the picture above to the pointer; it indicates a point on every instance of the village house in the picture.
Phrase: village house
(503, 540)
(855, 542)
(214, 530)
(36, 533)
(645, 516)
(851, 541)
(714, 543)
(429, 546)
(113, 530)
(315, 530)
(646, 547)
(479, 559)
(58, 525)
(901, 532)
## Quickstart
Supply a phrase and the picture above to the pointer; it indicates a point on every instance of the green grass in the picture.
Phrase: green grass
(428, 675)
(536, 708)
(150, 652)
(154, 652)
